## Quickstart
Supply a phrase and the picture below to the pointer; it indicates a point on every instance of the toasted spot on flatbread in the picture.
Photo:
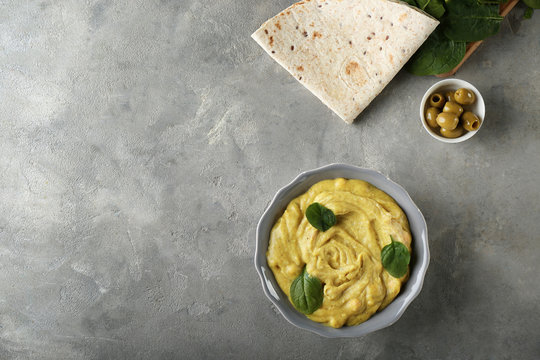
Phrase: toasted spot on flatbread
(351, 67)
(271, 41)
(317, 34)
(278, 25)
(300, 68)
(353, 73)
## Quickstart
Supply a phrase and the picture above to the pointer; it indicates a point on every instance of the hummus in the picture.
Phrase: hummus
(346, 257)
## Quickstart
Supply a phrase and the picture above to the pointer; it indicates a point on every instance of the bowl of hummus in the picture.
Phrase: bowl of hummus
(342, 251)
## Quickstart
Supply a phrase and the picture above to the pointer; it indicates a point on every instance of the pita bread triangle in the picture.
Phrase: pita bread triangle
(345, 51)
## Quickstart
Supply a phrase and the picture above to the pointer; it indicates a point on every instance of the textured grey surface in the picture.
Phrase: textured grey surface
(141, 140)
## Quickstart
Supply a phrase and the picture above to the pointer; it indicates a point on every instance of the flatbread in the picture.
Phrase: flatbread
(345, 51)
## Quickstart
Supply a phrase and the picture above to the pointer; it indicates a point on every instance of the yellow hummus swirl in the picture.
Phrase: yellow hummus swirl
(347, 257)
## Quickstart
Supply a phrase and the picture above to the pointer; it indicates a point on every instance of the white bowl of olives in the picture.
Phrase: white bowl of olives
(452, 110)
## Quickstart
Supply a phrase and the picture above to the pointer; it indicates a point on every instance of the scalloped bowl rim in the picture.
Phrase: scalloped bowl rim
(409, 291)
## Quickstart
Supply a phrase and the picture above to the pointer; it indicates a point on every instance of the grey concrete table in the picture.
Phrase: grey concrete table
(141, 140)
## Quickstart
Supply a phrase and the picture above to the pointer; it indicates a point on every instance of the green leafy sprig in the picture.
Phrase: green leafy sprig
(306, 293)
(462, 21)
(320, 217)
(395, 258)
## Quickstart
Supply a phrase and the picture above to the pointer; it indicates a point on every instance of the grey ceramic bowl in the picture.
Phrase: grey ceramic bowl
(419, 260)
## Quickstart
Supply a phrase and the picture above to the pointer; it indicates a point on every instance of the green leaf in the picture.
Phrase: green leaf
(434, 8)
(535, 4)
(320, 217)
(306, 293)
(528, 13)
(468, 20)
(395, 258)
(437, 55)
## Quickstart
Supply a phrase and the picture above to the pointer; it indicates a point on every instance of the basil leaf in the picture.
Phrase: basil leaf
(434, 8)
(395, 258)
(468, 20)
(306, 293)
(528, 13)
(437, 55)
(320, 217)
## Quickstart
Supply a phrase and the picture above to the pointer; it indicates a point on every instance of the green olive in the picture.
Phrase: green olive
(464, 96)
(470, 121)
(452, 107)
(431, 116)
(449, 96)
(447, 120)
(436, 100)
(457, 132)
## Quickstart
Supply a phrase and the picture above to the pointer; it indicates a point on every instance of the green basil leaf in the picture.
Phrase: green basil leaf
(320, 217)
(437, 55)
(434, 8)
(528, 13)
(306, 293)
(469, 20)
(395, 258)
